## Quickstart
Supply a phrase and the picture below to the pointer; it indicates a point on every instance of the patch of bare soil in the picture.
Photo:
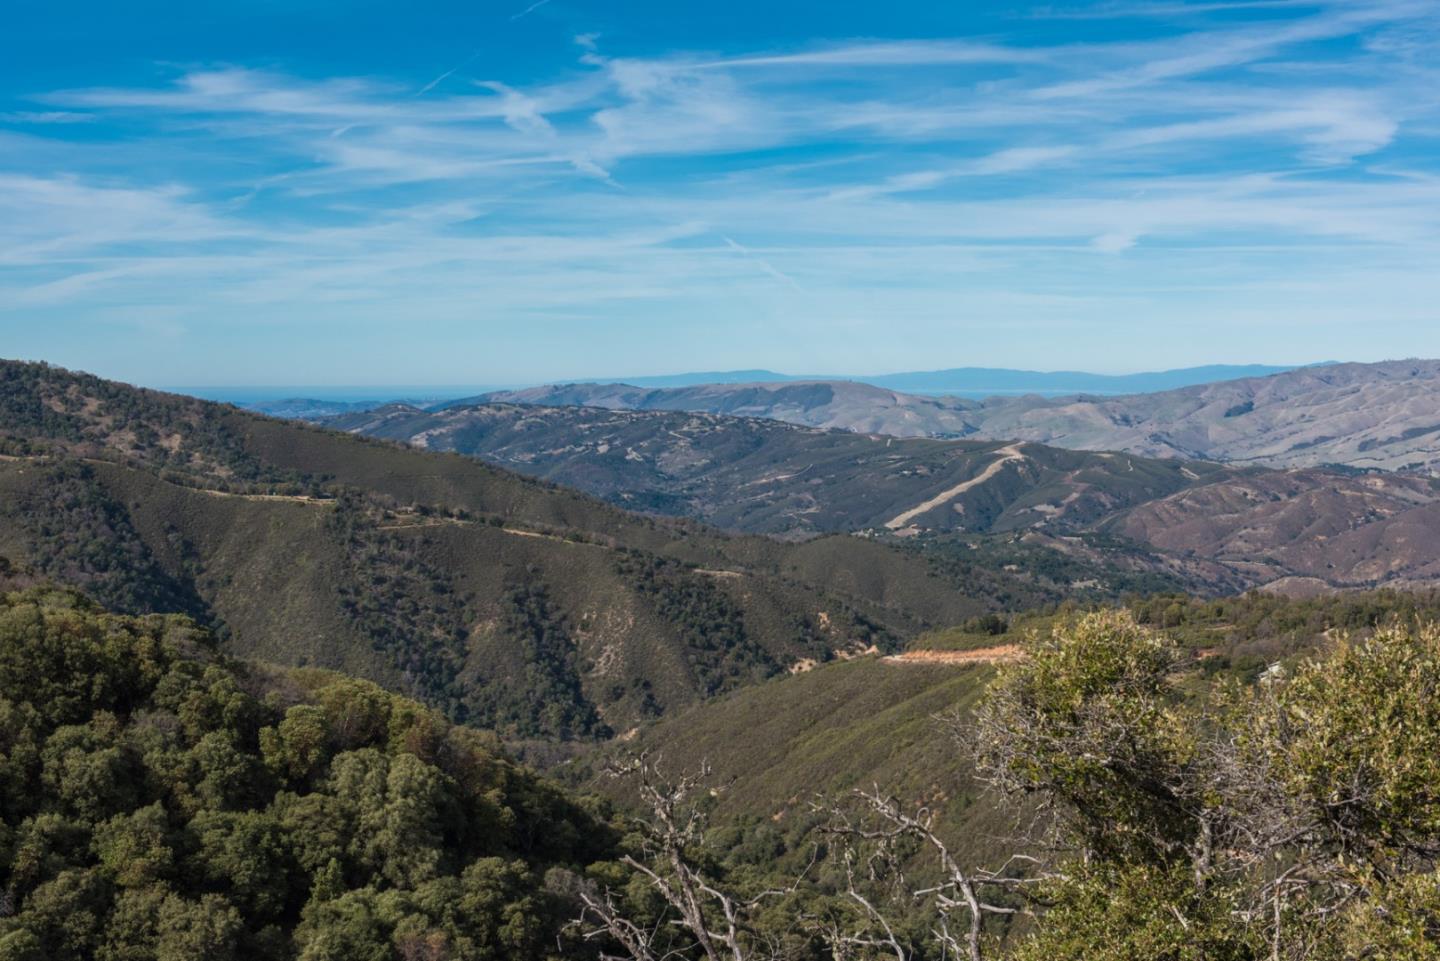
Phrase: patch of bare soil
(1000, 654)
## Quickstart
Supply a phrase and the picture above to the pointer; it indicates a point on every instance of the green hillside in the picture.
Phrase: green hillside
(505, 601)
(823, 733)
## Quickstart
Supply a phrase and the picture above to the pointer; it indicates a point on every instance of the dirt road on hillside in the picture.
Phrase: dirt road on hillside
(1001, 654)
(1011, 453)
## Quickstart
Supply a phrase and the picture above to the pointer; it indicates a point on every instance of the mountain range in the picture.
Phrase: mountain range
(1382, 416)
(553, 613)
(309, 403)
(983, 381)
(791, 605)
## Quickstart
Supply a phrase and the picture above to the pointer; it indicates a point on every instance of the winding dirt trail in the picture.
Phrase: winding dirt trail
(1009, 454)
(290, 498)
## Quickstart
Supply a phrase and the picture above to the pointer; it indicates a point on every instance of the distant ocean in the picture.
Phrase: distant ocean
(1010, 392)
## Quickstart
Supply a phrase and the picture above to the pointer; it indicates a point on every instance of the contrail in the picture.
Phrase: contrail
(447, 74)
(530, 9)
(760, 262)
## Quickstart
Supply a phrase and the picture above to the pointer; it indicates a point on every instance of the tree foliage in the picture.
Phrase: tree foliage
(544, 696)
(1298, 817)
(81, 536)
(160, 802)
(711, 626)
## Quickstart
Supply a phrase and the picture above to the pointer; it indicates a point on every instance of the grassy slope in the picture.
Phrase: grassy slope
(780, 745)
(869, 721)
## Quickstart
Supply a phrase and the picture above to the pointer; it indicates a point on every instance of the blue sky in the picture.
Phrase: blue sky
(313, 192)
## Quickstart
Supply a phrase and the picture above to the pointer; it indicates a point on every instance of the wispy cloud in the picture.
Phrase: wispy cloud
(931, 185)
(448, 74)
(911, 53)
(45, 117)
(1183, 8)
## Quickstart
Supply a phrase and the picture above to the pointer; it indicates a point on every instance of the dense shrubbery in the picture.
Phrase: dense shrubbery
(160, 802)
(406, 606)
(1297, 818)
(1239, 635)
(1053, 576)
(410, 609)
(1256, 617)
(542, 695)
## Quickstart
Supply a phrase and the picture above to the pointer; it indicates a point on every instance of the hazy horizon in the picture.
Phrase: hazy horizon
(423, 394)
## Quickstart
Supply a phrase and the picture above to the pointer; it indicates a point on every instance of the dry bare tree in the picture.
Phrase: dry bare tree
(871, 833)
(713, 922)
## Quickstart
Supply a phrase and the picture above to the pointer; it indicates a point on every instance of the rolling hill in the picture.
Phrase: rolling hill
(319, 402)
(506, 601)
(1071, 518)
(762, 476)
(994, 381)
(824, 732)
(882, 720)
(983, 381)
(846, 405)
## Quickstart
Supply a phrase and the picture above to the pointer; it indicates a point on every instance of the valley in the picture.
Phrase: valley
(1200, 525)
